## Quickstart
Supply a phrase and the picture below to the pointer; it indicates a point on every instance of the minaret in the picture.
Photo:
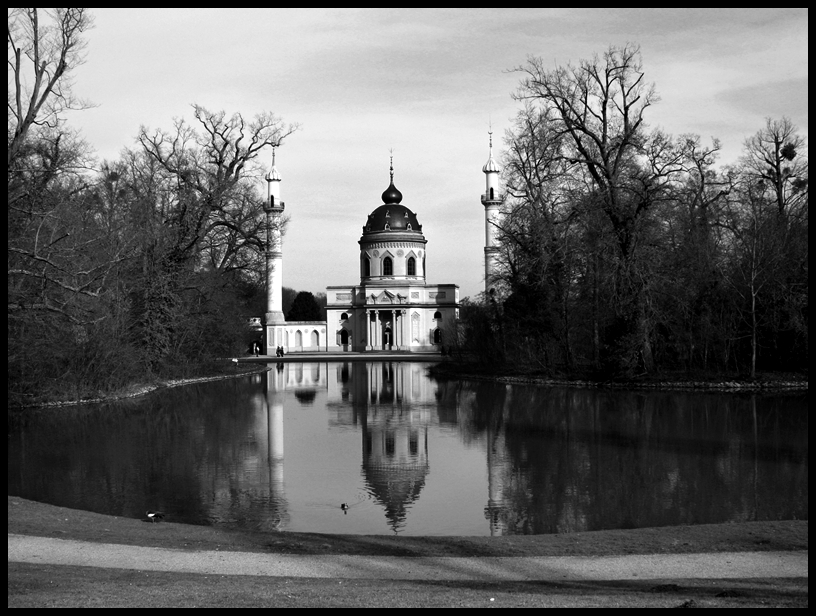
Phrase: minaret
(274, 257)
(492, 201)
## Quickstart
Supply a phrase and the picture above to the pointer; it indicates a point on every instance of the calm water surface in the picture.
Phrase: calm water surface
(414, 456)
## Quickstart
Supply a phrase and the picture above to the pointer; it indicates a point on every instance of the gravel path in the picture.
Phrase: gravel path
(723, 565)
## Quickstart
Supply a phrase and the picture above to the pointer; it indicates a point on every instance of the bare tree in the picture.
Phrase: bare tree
(534, 237)
(41, 57)
(599, 106)
(199, 184)
(757, 250)
(767, 221)
(774, 157)
(206, 169)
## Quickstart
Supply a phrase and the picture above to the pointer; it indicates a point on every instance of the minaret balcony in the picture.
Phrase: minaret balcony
(273, 206)
(488, 198)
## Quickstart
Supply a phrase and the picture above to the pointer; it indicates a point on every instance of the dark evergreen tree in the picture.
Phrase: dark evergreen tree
(305, 308)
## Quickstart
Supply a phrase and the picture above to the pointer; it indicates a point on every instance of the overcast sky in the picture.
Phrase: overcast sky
(426, 83)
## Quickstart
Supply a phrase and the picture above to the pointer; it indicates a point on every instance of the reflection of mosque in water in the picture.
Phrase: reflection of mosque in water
(392, 403)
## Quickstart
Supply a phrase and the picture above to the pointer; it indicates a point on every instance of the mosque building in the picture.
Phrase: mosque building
(393, 307)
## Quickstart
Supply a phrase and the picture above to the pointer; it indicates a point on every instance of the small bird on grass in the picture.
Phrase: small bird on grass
(154, 516)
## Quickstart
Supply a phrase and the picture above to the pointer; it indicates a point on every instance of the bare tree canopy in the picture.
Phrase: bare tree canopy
(776, 160)
(42, 53)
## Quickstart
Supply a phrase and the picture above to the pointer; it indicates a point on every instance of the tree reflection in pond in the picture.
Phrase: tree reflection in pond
(411, 455)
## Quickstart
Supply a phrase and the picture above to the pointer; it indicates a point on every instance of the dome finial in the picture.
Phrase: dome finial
(391, 194)
(491, 166)
(392, 164)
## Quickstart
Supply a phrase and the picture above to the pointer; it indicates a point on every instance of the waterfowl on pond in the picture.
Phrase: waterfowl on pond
(344, 506)
(154, 516)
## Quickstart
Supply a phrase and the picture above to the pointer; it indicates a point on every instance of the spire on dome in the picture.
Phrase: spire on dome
(391, 194)
(491, 166)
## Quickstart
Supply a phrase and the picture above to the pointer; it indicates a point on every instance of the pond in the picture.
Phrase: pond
(415, 456)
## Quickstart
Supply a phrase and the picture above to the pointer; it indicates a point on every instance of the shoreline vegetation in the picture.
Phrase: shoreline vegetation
(448, 369)
(766, 381)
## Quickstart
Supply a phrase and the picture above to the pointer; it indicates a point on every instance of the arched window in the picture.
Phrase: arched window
(344, 336)
(491, 194)
(344, 316)
(437, 336)
(437, 315)
(366, 267)
(388, 267)
(411, 266)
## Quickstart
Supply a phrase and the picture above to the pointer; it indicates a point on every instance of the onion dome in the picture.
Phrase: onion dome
(392, 216)
(272, 175)
(391, 194)
(491, 166)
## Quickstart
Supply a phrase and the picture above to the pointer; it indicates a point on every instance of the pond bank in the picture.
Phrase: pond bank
(446, 368)
(42, 584)
(673, 381)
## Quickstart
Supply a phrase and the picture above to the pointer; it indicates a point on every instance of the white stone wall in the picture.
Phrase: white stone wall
(297, 336)
(415, 306)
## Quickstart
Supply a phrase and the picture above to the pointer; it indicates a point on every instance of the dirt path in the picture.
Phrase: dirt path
(724, 565)
(60, 557)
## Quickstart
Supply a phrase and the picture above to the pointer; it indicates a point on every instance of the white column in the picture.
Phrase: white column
(377, 343)
(368, 344)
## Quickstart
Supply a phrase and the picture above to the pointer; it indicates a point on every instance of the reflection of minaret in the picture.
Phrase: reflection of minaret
(494, 512)
(395, 439)
(275, 394)
(499, 470)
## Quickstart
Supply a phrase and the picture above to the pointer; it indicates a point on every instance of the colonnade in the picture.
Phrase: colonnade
(377, 336)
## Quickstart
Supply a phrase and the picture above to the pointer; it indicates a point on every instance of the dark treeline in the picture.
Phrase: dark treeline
(625, 251)
(133, 270)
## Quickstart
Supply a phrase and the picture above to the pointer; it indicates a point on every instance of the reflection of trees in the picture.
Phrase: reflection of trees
(588, 459)
(183, 450)
(559, 460)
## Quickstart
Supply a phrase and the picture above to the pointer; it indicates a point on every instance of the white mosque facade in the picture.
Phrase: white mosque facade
(393, 307)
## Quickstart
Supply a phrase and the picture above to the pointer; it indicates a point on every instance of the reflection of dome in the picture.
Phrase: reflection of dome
(395, 459)
(396, 487)
(306, 396)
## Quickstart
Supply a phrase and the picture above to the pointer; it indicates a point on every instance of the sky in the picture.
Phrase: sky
(425, 85)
